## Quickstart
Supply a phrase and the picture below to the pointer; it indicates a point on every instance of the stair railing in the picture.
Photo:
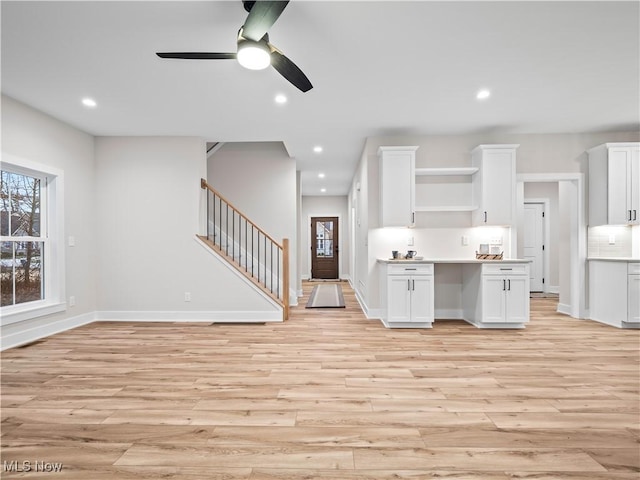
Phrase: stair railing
(247, 247)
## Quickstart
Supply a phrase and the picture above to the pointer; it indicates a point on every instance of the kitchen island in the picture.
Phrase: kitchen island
(495, 293)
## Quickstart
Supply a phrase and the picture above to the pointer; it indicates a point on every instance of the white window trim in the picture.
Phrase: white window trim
(54, 256)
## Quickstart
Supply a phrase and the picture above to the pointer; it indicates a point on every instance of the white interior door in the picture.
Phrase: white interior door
(534, 243)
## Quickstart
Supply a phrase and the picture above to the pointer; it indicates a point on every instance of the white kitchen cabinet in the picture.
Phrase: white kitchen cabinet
(633, 294)
(407, 292)
(397, 186)
(496, 295)
(494, 185)
(614, 184)
(614, 292)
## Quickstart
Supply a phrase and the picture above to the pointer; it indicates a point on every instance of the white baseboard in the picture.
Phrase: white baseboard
(44, 329)
(231, 317)
(371, 314)
(566, 309)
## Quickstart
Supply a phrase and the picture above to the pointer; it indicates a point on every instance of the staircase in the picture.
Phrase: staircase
(247, 247)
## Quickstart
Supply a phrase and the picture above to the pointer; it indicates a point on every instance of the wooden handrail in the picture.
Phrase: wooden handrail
(280, 248)
(285, 279)
(204, 185)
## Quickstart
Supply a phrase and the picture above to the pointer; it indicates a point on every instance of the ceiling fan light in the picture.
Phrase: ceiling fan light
(254, 55)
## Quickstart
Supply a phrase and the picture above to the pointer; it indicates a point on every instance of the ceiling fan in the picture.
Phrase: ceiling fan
(254, 50)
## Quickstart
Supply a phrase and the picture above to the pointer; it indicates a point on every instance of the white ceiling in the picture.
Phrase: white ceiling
(378, 68)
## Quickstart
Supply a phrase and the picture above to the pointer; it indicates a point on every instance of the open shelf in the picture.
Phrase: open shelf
(447, 208)
(446, 171)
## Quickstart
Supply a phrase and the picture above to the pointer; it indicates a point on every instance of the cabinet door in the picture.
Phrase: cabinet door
(517, 300)
(493, 299)
(619, 188)
(399, 298)
(422, 298)
(633, 299)
(494, 184)
(634, 182)
(397, 187)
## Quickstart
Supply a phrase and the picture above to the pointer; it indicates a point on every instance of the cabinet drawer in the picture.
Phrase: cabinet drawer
(410, 269)
(505, 269)
(634, 268)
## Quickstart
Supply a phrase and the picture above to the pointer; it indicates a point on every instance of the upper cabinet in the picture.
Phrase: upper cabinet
(494, 184)
(614, 184)
(397, 186)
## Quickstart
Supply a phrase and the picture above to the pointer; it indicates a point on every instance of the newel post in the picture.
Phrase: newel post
(285, 278)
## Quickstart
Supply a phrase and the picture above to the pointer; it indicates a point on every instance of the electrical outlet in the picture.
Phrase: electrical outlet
(72, 301)
(612, 239)
(496, 241)
(72, 241)
(187, 296)
(465, 240)
(410, 241)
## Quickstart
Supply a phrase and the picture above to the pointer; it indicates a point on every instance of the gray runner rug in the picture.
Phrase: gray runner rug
(326, 296)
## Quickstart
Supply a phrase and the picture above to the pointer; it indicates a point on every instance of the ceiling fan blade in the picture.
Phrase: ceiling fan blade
(262, 16)
(197, 55)
(289, 70)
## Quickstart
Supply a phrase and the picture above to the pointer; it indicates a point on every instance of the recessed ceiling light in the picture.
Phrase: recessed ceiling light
(482, 94)
(317, 149)
(280, 98)
(323, 190)
(321, 175)
(89, 102)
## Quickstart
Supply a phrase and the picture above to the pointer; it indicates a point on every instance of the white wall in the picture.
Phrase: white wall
(133, 206)
(325, 206)
(37, 137)
(149, 198)
(260, 180)
(558, 153)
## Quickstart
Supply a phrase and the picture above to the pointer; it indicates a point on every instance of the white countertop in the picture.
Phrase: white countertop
(615, 259)
(452, 260)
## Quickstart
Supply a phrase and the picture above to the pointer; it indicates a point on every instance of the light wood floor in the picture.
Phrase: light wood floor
(327, 395)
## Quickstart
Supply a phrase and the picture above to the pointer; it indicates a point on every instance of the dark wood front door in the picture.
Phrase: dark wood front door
(324, 247)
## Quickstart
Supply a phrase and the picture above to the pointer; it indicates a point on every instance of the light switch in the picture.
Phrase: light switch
(465, 240)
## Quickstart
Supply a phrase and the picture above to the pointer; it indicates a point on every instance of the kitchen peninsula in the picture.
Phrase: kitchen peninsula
(495, 293)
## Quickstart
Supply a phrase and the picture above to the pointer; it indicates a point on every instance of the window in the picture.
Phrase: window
(22, 246)
(31, 257)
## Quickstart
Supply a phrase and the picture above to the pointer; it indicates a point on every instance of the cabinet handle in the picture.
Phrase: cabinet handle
(504, 285)
(413, 285)
(509, 283)
(407, 269)
(485, 217)
(506, 268)
(635, 215)
(629, 215)
(413, 217)
(408, 284)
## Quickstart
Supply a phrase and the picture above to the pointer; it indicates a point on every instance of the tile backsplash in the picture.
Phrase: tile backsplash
(610, 241)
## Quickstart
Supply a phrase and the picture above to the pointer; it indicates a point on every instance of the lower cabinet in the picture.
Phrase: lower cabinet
(504, 299)
(407, 292)
(496, 296)
(633, 294)
(614, 292)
